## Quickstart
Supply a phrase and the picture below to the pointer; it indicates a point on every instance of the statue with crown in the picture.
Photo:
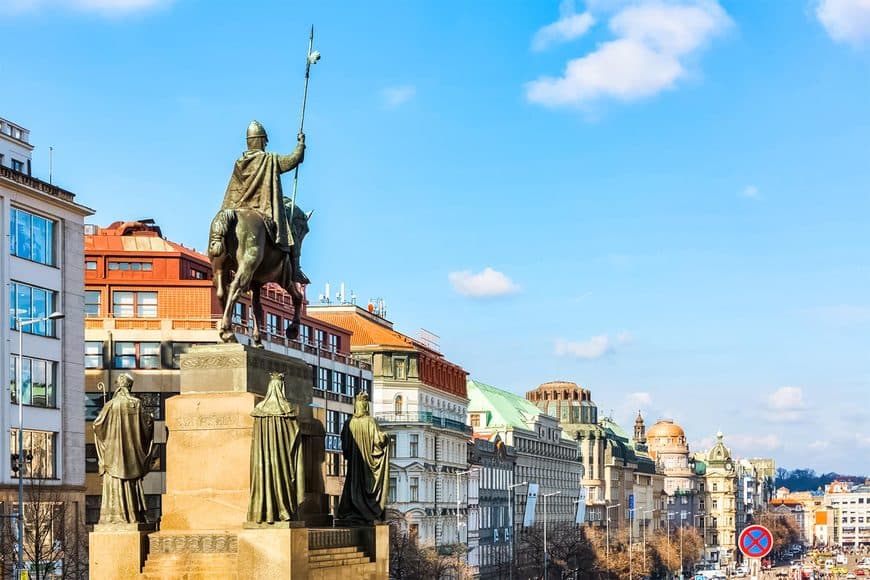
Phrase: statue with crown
(366, 449)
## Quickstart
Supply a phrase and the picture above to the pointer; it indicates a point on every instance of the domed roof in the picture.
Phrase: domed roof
(665, 429)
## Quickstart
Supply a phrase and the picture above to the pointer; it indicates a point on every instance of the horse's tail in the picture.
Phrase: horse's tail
(222, 223)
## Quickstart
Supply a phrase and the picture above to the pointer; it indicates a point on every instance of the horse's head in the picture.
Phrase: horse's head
(299, 224)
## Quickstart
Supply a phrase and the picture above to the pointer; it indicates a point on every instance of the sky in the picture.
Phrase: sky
(664, 201)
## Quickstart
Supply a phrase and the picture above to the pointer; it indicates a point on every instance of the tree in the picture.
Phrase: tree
(783, 529)
(410, 561)
(55, 536)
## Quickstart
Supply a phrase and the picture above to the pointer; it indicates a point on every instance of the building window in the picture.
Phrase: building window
(137, 355)
(93, 405)
(304, 334)
(332, 422)
(39, 459)
(92, 509)
(273, 323)
(92, 303)
(399, 368)
(90, 265)
(93, 355)
(367, 386)
(414, 489)
(32, 237)
(334, 342)
(398, 405)
(391, 492)
(238, 313)
(91, 460)
(475, 420)
(153, 506)
(131, 266)
(337, 382)
(319, 338)
(350, 384)
(134, 304)
(324, 378)
(29, 302)
(38, 383)
(414, 445)
(17, 165)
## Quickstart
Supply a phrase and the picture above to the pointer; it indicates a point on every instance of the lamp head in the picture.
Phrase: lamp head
(56, 316)
(314, 57)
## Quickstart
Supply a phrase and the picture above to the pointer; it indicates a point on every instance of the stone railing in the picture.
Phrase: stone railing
(37, 184)
(326, 538)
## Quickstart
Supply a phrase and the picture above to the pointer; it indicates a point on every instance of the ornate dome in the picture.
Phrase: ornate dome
(665, 429)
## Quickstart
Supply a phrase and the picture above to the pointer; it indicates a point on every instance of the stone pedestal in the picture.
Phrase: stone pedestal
(273, 553)
(210, 428)
(117, 552)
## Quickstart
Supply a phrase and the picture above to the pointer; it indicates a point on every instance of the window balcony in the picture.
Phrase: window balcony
(424, 417)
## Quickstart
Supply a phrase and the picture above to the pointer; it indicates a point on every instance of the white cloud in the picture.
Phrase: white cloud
(106, 7)
(640, 400)
(484, 284)
(846, 21)
(750, 192)
(654, 42)
(753, 444)
(786, 404)
(398, 95)
(591, 348)
(570, 26)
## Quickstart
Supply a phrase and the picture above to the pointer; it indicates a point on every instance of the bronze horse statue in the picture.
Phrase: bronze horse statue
(244, 257)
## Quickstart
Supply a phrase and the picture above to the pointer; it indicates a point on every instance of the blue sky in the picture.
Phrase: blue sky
(665, 202)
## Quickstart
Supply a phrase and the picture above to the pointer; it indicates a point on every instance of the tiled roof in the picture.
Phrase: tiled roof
(137, 243)
(507, 409)
(365, 332)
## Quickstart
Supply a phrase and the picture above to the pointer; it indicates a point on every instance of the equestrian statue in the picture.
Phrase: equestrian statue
(256, 237)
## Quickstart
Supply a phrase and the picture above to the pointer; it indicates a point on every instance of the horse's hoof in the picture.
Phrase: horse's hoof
(293, 331)
(228, 336)
(257, 343)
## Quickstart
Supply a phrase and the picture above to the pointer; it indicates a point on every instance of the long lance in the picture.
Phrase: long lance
(313, 57)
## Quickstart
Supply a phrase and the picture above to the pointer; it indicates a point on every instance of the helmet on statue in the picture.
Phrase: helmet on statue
(255, 129)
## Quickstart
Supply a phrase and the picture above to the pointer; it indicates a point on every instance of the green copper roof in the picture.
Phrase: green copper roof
(507, 409)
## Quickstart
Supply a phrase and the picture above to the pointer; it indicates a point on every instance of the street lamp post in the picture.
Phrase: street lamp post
(546, 554)
(643, 522)
(20, 323)
(607, 518)
(513, 527)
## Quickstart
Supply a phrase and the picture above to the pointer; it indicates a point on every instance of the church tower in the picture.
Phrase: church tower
(639, 430)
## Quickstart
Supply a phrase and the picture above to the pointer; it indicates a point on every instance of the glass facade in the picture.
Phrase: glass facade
(32, 237)
(29, 302)
(38, 386)
(39, 452)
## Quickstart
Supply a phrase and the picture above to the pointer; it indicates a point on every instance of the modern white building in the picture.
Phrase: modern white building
(43, 272)
(419, 397)
(850, 505)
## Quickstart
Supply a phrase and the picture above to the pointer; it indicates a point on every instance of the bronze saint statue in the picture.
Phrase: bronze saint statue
(367, 451)
(251, 236)
(123, 433)
(277, 468)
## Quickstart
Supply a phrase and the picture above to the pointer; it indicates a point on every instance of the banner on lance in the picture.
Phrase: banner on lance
(531, 503)
(581, 506)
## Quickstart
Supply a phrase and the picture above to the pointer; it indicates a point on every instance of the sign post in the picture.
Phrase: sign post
(756, 542)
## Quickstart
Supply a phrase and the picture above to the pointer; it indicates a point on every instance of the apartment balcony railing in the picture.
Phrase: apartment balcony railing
(424, 417)
(167, 324)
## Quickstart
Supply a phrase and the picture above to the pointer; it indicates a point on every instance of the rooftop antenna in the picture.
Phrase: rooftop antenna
(324, 298)
(353, 297)
(50, 163)
(339, 296)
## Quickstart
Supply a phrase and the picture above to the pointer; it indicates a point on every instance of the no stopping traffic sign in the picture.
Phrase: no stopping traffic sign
(755, 541)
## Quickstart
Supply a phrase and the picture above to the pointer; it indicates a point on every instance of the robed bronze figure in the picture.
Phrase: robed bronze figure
(123, 433)
(253, 237)
(277, 463)
(366, 449)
